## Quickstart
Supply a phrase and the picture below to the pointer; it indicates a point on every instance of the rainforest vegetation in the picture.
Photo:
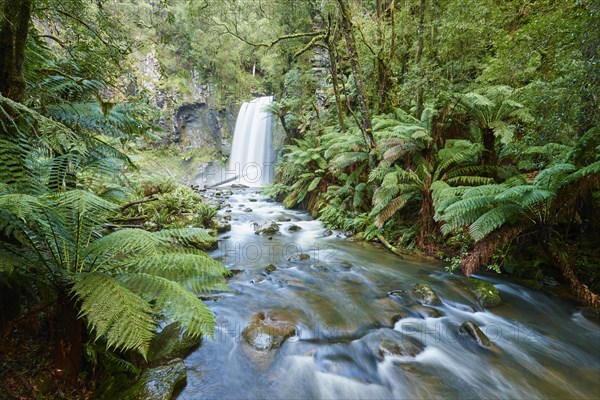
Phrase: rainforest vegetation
(466, 130)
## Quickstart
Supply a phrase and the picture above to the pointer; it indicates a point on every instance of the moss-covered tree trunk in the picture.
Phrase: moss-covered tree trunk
(14, 28)
(420, 33)
(346, 25)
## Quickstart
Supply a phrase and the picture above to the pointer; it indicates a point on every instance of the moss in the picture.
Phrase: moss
(484, 292)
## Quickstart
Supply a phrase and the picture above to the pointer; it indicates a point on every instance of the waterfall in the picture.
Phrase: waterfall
(252, 155)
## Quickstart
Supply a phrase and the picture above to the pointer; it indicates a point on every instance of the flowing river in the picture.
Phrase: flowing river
(339, 302)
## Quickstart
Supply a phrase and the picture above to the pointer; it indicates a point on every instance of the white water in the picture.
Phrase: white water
(252, 155)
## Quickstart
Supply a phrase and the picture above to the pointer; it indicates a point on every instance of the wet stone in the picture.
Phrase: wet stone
(387, 312)
(294, 228)
(267, 228)
(270, 268)
(268, 330)
(407, 347)
(299, 257)
(470, 328)
(426, 295)
(426, 312)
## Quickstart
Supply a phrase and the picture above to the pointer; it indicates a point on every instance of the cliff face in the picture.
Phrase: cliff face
(198, 125)
(191, 116)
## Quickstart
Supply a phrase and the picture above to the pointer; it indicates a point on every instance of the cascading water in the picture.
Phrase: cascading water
(252, 156)
(360, 330)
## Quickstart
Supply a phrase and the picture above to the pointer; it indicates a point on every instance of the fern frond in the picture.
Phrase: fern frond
(177, 303)
(115, 313)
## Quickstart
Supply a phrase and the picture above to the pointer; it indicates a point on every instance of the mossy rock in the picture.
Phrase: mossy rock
(171, 343)
(270, 268)
(470, 328)
(484, 292)
(160, 383)
(426, 295)
(268, 228)
(222, 227)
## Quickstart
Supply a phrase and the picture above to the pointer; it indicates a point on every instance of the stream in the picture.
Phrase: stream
(339, 304)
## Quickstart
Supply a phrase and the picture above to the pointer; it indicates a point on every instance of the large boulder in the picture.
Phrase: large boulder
(171, 343)
(160, 383)
(268, 330)
(426, 295)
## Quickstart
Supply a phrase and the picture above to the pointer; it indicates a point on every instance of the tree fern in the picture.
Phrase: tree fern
(115, 313)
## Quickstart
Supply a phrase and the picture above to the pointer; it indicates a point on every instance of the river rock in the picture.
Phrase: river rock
(171, 343)
(267, 228)
(247, 209)
(222, 227)
(294, 228)
(284, 219)
(407, 347)
(484, 292)
(159, 383)
(327, 232)
(470, 328)
(299, 257)
(426, 312)
(426, 295)
(268, 330)
(387, 311)
(252, 200)
(270, 268)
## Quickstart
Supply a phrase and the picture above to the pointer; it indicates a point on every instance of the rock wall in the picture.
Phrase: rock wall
(188, 119)
(198, 125)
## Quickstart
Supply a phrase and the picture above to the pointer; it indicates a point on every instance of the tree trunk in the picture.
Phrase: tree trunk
(567, 268)
(67, 335)
(14, 28)
(334, 77)
(489, 145)
(348, 32)
(428, 228)
(419, 109)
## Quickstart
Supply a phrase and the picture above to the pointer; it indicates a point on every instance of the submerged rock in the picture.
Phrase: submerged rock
(267, 228)
(171, 343)
(284, 219)
(247, 209)
(327, 232)
(387, 312)
(426, 295)
(159, 383)
(408, 347)
(426, 312)
(268, 331)
(470, 328)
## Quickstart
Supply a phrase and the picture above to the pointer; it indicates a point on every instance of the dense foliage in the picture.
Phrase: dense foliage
(464, 129)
